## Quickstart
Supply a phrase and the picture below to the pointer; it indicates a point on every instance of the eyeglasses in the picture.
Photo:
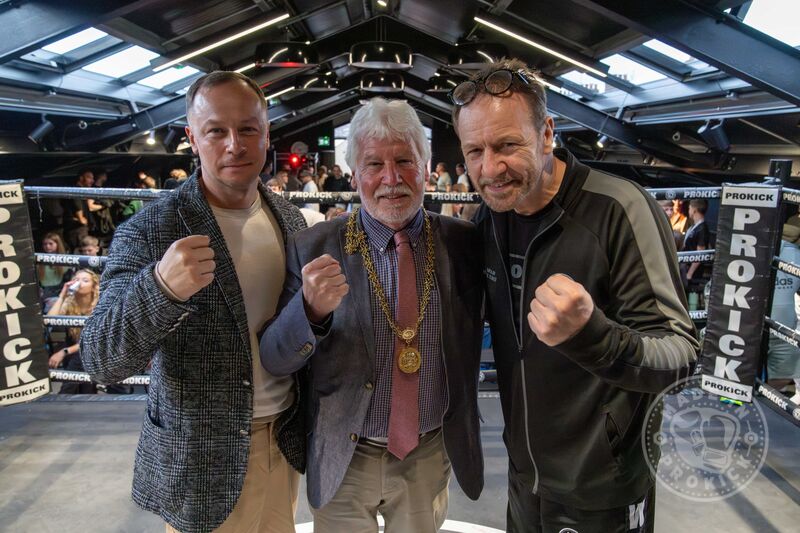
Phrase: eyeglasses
(495, 83)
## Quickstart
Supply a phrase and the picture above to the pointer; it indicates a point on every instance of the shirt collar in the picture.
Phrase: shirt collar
(381, 235)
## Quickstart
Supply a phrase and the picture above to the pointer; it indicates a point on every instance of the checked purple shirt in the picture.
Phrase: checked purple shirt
(432, 379)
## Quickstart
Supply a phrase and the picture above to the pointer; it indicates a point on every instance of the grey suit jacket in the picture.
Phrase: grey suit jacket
(343, 362)
(192, 455)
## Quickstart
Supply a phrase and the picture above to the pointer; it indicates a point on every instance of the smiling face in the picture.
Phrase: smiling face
(510, 161)
(229, 131)
(390, 181)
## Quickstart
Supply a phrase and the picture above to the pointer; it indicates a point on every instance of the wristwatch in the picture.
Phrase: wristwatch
(66, 351)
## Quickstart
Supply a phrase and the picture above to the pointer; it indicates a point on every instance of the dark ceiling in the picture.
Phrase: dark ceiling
(738, 76)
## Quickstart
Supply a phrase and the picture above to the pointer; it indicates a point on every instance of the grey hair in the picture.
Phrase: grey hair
(387, 120)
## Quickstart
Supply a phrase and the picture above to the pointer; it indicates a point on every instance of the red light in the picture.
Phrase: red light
(294, 160)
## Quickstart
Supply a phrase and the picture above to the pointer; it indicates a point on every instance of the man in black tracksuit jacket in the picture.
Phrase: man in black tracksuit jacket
(588, 318)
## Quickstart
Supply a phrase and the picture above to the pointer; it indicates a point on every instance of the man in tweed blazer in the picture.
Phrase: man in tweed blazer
(189, 282)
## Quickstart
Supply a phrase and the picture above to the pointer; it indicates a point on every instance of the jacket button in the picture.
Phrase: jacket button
(243, 432)
(246, 383)
(368, 385)
(353, 437)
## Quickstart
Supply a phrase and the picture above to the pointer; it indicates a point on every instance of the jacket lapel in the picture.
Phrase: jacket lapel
(196, 214)
(444, 270)
(360, 291)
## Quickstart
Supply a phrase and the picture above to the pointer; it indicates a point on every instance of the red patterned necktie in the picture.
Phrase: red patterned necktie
(404, 415)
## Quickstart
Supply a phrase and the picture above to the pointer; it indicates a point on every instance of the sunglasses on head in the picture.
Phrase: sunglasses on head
(495, 84)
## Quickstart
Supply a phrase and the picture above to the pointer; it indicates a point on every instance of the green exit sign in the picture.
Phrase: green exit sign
(325, 140)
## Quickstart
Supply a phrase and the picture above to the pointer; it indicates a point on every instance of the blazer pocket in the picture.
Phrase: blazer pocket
(170, 452)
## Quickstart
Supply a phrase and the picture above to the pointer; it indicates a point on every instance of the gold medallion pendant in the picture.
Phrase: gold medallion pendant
(408, 335)
(409, 360)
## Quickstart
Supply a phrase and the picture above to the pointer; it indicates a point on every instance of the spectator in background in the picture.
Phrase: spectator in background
(463, 178)
(275, 185)
(322, 175)
(431, 187)
(668, 206)
(444, 182)
(290, 179)
(463, 211)
(52, 278)
(783, 361)
(176, 177)
(149, 181)
(101, 219)
(336, 182)
(90, 246)
(283, 177)
(77, 298)
(307, 179)
(100, 178)
(310, 215)
(76, 223)
(698, 238)
(266, 173)
(127, 208)
(680, 220)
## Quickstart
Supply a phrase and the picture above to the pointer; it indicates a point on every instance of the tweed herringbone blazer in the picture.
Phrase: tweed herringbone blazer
(192, 455)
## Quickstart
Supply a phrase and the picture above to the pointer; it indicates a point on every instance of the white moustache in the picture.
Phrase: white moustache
(393, 191)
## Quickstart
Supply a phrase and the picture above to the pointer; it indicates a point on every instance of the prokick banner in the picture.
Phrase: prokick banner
(746, 236)
(25, 374)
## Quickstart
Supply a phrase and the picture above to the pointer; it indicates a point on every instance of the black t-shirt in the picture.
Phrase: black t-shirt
(521, 231)
(334, 184)
(71, 206)
(697, 236)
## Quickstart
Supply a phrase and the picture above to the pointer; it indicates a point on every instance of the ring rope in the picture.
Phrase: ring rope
(103, 193)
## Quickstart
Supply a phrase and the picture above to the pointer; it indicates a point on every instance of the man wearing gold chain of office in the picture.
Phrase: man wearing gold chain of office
(382, 309)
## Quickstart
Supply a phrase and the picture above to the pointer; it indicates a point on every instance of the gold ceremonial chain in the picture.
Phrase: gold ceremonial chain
(410, 359)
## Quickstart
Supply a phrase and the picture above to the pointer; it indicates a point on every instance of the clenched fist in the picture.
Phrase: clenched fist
(324, 286)
(187, 266)
(560, 308)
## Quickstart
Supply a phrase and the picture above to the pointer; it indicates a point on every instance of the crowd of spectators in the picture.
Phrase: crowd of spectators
(692, 234)
(82, 227)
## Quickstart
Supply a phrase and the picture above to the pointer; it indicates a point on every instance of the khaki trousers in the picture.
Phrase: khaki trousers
(411, 494)
(269, 495)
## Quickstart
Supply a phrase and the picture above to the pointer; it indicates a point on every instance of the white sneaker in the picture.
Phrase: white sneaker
(795, 399)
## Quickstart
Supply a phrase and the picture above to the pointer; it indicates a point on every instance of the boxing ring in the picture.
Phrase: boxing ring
(67, 460)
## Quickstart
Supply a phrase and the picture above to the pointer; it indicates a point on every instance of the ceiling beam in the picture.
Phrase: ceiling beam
(720, 40)
(31, 25)
(623, 132)
(107, 134)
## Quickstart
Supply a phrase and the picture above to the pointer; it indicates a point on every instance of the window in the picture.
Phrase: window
(776, 18)
(168, 77)
(674, 53)
(630, 70)
(585, 80)
(75, 41)
(122, 63)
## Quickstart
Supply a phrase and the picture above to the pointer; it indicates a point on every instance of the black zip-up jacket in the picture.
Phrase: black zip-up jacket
(574, 413)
